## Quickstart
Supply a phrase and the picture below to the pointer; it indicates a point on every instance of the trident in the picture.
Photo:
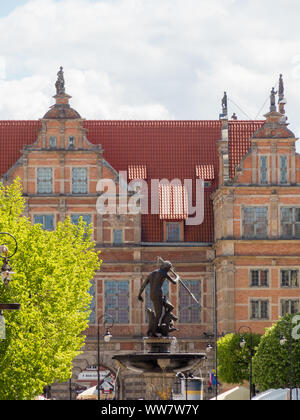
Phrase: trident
(172, 270)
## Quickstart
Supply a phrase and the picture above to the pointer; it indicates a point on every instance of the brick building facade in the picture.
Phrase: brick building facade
(247, 245)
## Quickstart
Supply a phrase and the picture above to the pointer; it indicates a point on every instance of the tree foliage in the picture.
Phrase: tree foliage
(234, 361)
(53, 271)
(274, 364)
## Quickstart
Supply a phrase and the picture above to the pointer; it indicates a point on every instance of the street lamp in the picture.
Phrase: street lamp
(108, 323)
(181, 376)
(283, 340)
(209, 348)
(243, 345)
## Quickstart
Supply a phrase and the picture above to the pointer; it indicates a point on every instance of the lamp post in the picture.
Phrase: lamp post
(242, 345)
(107, 323)
(186, 377)
(209, 348)
(181, 376)
(283, 341)
(6, 272)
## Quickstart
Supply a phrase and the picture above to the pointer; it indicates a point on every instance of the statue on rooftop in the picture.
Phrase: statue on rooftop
(272, 100)
(224, 104)
(281, 88)
(60, 83)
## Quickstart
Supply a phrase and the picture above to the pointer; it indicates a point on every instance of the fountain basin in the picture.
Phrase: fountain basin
(153, 362)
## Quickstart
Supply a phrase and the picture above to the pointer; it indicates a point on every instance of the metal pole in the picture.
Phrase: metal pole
(98, 362)
(70, 388)
(186, 387)
(291, 356)
(251, 356)
(98, 346)
(291, 363)
(216, 333)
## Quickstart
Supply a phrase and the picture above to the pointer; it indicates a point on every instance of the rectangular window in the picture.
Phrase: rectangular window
(87, 218)
(118, 236)
(255, 222)
(44, 180)
(259, 309)
(71, 141)
(117, 300)
(263, 170)
(79, 181)
(259, 278)
(52, 141)
(289, 278)
(46, 220)
(189, 310)
(283, 169)
(173, 232)
(290, 222)
(289, 306)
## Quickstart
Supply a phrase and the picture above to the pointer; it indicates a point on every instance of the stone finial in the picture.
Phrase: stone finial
(60, 83)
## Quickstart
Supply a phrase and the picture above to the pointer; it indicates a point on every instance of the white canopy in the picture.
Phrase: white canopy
(277, 394)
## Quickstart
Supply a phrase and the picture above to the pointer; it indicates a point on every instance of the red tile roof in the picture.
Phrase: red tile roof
(168, 149)
(173, 202)
(137, 172)
(14, 135)
(205, 172)
(240, 133)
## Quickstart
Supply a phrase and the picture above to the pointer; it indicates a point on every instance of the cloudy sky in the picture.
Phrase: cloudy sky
(149, 59)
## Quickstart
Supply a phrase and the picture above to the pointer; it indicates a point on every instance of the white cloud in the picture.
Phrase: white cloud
(140, 59)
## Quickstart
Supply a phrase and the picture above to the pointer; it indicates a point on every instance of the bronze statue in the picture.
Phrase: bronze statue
(161, 319)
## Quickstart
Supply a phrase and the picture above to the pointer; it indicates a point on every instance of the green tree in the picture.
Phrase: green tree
(274, 364)
(53, 271)
(233, 360)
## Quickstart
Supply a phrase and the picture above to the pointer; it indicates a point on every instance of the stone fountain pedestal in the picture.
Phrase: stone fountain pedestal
(159, 365)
